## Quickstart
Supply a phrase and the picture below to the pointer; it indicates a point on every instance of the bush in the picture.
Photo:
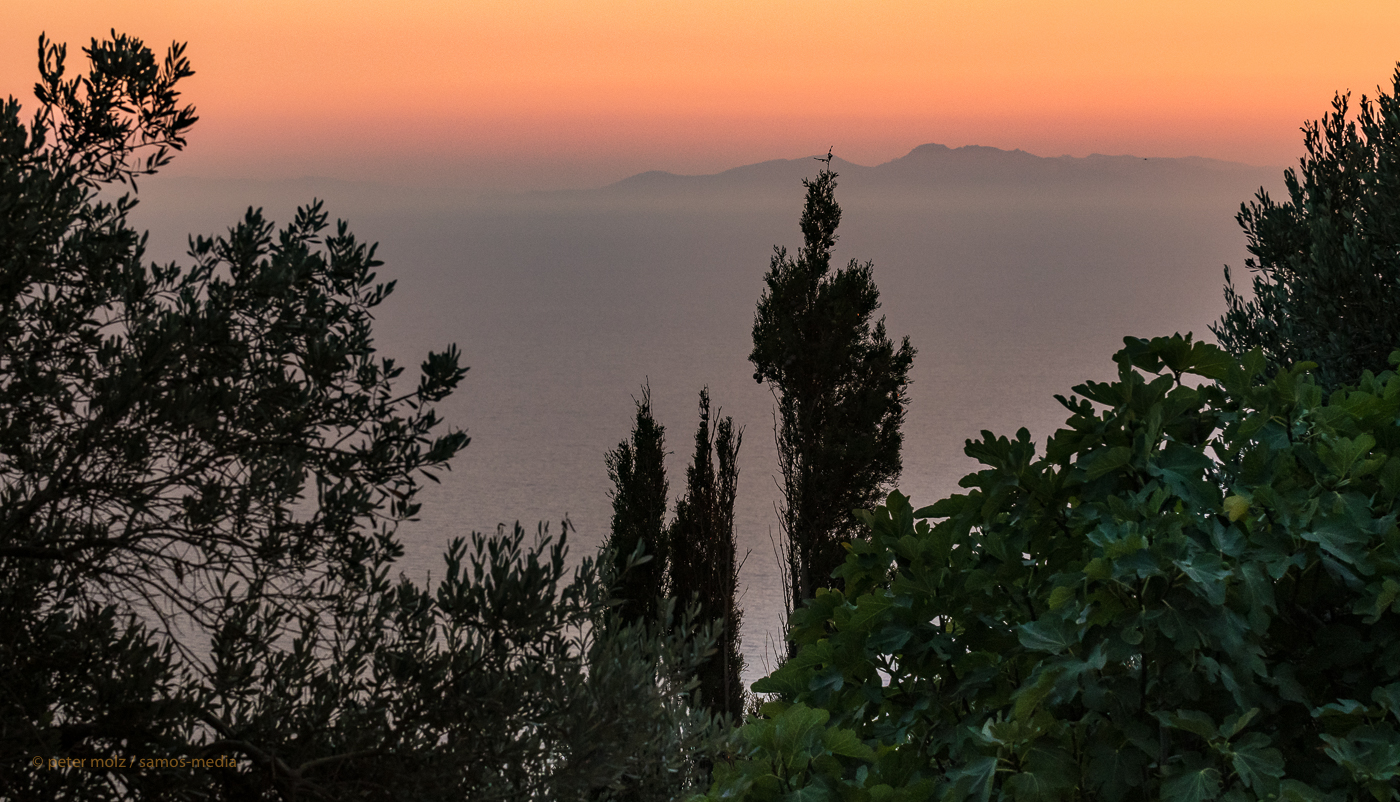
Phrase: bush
(1190, 595)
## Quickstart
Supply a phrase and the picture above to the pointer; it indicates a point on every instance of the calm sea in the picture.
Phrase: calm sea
(1014, 278)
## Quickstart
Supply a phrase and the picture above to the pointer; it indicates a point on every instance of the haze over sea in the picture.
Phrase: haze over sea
(1014, 276)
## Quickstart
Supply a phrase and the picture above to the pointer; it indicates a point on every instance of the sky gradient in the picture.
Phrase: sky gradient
(562, 93)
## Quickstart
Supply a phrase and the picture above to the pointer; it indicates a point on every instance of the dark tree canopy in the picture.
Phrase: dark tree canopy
(164, 425)
(202, 470)
(1326, 264)
(841, 388)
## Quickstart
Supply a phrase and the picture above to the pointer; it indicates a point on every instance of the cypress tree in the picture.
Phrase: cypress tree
(703, 559)
(637, 469)
(841, 389)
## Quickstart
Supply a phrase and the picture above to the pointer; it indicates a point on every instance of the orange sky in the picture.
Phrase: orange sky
(549, 93)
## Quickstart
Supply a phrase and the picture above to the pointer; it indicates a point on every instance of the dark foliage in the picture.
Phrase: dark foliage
(201, 474)
(162, 425)
(1326, 284)
(639, 541)
(841, 388)
(703, 559)
(1192, 594)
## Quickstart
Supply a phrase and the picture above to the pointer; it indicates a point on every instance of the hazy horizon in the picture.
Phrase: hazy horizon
(839, 163)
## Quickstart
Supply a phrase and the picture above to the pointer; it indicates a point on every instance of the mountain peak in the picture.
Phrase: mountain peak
(935, 150)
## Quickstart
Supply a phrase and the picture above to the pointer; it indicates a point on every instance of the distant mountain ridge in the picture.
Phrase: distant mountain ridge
(930, 168)
(932, 165)
(929, 173)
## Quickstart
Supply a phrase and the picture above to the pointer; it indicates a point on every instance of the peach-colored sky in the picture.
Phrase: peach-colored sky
(553, 93)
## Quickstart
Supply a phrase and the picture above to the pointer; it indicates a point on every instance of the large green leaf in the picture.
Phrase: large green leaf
(1208, 572)
(1193, 721)
(1297, 791)
(796, 730)
(1115, 771)
(810, 793)
(1340, 537)
(869, 609)
(1342, 453)
(1193, 785)
(1257, 762)
(1102, 463)
(1027, 786)
(1183, 469)
(1047, 775)
(1029, 697)
(846, 743)
(889, 639)
(1049, 633)
(1388, 697)
(1061, 595)
(972, 781)
(830, 677)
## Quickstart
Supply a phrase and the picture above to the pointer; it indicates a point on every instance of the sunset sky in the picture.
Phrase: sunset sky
(563, 93)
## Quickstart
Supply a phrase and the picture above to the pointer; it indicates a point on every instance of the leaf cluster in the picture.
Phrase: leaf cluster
(501, 683)
(121, 119)
(1191, 594)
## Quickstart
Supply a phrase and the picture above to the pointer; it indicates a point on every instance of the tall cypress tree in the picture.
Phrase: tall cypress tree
(638, 471)
(841, 388)
(703, 560)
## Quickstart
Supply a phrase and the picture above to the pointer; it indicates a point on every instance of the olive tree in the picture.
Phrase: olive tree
(1325, 284)
(202, 470)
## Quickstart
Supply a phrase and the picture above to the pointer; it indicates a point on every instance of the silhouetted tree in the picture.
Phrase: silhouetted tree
(703, 559)
(1326, 262)
(840, 385)
(638, 542)
(202, 470)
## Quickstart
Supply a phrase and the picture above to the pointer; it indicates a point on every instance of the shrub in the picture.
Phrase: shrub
(1191, 594)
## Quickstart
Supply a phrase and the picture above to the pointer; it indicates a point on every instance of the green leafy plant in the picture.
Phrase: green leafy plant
(1190, 594)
